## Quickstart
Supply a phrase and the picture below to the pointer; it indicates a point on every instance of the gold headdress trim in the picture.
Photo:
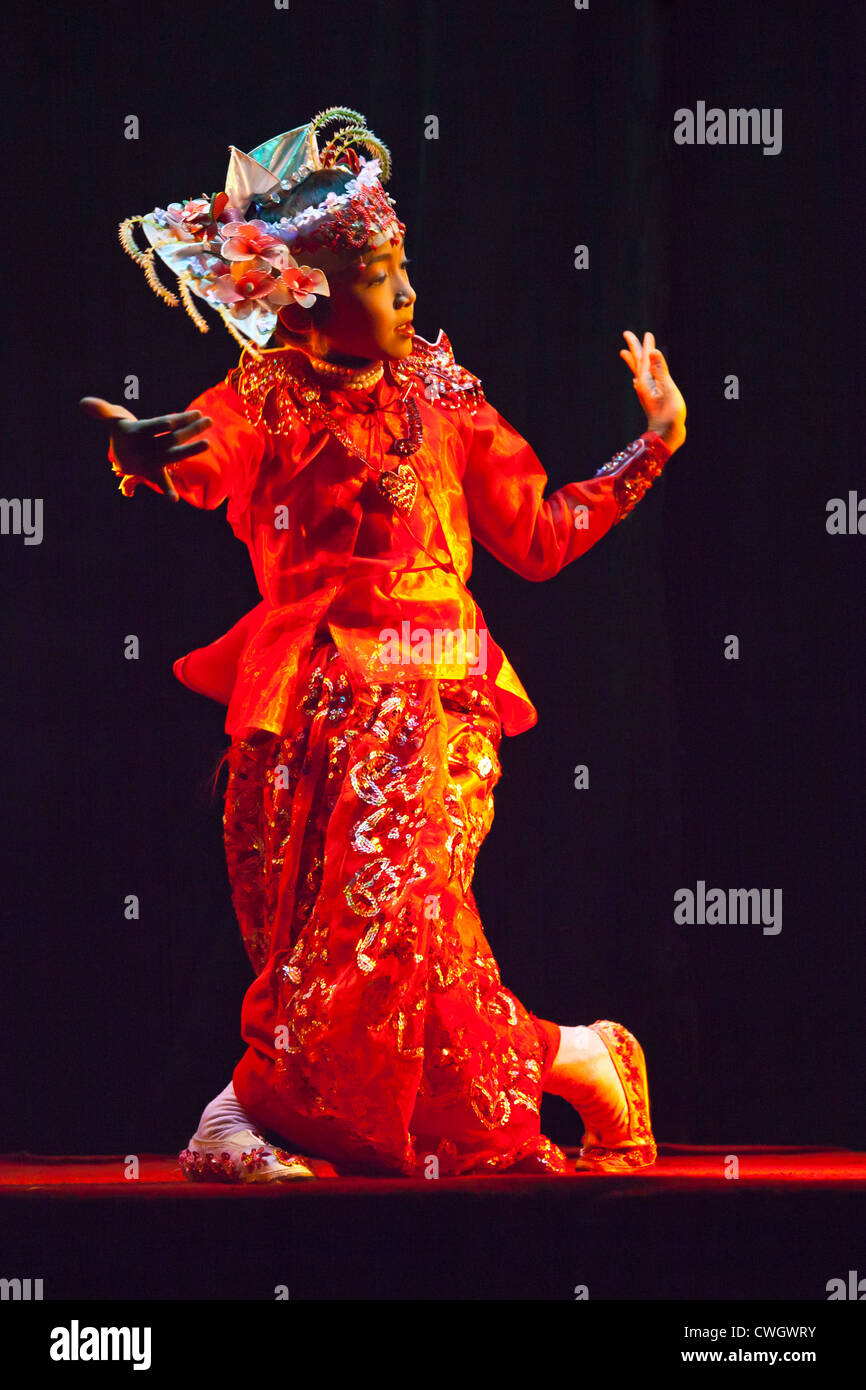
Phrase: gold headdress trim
(144, 259)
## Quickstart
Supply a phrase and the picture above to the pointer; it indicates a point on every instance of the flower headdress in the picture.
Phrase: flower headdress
(244, 266)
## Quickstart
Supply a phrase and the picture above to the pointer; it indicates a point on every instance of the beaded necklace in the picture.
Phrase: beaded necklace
(297, 392)
(398, 485)
(351, 378)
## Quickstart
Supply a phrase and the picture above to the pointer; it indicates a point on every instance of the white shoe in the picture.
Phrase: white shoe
(243, 1156)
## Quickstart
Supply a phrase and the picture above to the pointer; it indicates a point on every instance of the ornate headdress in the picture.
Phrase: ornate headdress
(222, 249)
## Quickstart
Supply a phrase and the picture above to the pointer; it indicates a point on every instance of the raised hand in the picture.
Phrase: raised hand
(147, 449)
(656, 389)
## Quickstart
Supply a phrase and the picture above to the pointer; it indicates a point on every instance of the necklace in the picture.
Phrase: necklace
(296, 393)
(291, 376)
(351, 378)
(398, 485)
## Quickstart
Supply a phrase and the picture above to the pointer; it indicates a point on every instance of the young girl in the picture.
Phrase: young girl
(366, 697)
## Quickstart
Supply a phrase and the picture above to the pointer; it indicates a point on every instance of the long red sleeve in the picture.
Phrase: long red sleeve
(504, 483)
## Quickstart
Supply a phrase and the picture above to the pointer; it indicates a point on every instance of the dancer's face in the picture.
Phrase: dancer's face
(370, 297)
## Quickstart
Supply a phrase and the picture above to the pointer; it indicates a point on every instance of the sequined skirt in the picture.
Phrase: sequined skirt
(380, 1035)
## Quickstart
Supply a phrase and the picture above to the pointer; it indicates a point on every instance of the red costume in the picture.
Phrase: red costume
(379, 1032)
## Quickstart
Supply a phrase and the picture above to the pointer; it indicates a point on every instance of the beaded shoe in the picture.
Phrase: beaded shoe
(637, 1148)
(242, 1157)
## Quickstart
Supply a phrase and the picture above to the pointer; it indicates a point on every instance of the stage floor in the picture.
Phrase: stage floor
(789, 1223)
(686, 1168)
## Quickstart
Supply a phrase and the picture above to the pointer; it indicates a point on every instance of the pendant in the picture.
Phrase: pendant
(400, 487)
(414, 435)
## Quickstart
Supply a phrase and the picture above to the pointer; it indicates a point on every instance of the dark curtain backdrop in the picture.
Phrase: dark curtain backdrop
(555, 129)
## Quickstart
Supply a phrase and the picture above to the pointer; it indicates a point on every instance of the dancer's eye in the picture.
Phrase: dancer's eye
(380, 279)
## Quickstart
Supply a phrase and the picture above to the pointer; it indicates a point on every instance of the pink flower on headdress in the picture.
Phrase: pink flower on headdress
(243, 240)
(299, 283)
(246, 280)
(190, 219)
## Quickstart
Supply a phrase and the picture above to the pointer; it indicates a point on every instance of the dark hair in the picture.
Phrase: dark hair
(207, 787)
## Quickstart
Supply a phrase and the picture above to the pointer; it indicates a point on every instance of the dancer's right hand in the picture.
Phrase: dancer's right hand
(147, 448)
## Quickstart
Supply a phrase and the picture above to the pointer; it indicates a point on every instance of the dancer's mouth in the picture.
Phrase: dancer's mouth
(405, 328)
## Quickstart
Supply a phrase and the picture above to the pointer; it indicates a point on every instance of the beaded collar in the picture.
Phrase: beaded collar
(429, 372)
(288, 376)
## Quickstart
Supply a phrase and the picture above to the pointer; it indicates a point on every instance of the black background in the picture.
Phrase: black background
(555, 129)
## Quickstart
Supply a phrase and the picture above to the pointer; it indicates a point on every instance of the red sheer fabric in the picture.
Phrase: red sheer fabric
(380, 1034)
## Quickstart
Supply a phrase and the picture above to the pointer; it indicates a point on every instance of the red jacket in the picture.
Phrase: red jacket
(329, 551)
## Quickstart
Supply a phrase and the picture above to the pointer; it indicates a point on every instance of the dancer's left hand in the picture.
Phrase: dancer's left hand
(656, 389)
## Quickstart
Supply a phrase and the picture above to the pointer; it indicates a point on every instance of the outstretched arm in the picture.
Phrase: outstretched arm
(147, 451)
(504, 481)
(163, 453)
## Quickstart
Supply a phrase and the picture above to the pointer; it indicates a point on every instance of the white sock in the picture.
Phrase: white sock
(578, 1044)
(584, 1075)
(224, 1116)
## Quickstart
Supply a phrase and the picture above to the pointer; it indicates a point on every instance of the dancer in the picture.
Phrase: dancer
(366, 697)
